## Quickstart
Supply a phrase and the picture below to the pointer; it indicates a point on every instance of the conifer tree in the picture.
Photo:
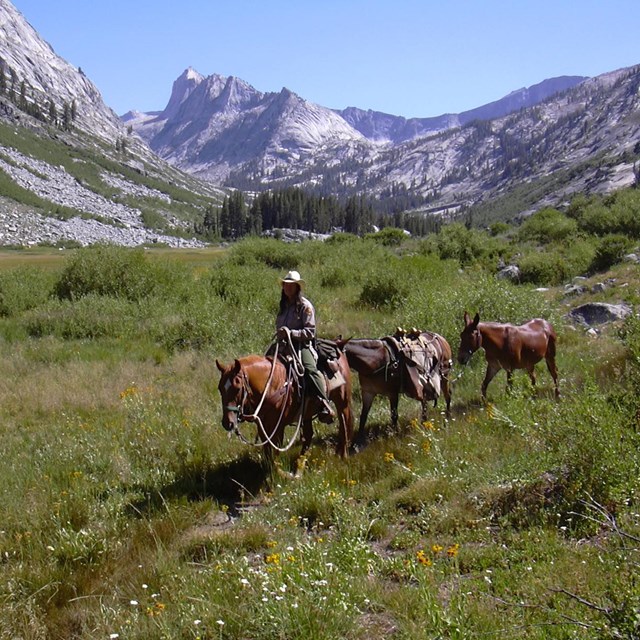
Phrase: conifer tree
(3, 78)
(53, 113)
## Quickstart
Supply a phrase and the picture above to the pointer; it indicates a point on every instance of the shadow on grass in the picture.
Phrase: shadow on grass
(228, 483)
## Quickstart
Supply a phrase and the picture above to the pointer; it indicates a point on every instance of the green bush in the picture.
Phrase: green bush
(578, 256)
(609, 251)
(384, 291)
(268, 251)
(389, 237)
(457, 242)
(546, 226)
(618, 213)
(24, 288)
(543, 268)
(119, 272)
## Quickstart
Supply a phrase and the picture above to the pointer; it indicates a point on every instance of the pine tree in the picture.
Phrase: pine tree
(3, 78)
(53, 113)
(66, 116)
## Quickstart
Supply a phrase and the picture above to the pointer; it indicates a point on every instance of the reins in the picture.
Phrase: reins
(254, 417)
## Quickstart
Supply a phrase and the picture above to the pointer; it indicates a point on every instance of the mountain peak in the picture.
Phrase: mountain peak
(182, 88)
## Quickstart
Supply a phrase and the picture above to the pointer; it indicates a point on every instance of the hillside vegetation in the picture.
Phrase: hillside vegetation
(128, 512)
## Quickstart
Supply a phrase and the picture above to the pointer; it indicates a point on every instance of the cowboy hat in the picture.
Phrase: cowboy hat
(293, 276)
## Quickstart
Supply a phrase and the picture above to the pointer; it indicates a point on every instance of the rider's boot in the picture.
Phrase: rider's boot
(326, 414)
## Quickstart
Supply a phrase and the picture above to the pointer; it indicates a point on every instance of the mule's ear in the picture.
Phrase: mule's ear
(476, 319)
(220, 366)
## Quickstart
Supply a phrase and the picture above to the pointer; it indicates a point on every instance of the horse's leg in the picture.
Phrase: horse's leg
(307, 435)
(345, 424)
(492, 369)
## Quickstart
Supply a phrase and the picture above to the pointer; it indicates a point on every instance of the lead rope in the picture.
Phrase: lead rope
(254, 417)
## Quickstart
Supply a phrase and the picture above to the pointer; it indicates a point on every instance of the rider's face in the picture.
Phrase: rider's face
(290, 289)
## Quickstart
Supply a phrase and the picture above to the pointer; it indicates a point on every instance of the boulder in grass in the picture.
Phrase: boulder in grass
(600, 313)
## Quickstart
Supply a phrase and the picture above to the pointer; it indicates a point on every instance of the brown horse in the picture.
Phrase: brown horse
(380, 373)
(258, 389)
(509, 347)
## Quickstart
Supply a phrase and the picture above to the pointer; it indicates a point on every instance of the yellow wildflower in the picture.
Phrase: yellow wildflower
(273, 558)
(452, 551)
(436, 548)
(389, 457)
(423, 559)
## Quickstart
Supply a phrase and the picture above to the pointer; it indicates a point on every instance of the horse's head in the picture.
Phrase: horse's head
(232, 392)
(470, 338)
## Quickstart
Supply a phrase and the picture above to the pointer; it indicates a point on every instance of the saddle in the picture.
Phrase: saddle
(328, 353)
(417, 358)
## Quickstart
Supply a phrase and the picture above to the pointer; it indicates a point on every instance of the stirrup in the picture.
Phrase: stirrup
(326, 415)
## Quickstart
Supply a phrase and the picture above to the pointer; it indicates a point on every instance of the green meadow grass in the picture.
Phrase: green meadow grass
(128, 512)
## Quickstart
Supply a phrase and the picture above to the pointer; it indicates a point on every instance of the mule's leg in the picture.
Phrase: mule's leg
(551, 365)
(446, 391)
(532, 376)
(367, 400)
(492, 369)
(393, 405)
(425, 409)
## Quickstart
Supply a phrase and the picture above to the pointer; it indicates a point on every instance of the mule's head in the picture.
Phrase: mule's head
(232, 393)
(470, 338)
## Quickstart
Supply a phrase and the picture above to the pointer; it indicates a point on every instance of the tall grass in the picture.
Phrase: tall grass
(127, 511)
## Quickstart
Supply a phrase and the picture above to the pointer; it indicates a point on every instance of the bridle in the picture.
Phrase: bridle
(476, 342)
(243, 416)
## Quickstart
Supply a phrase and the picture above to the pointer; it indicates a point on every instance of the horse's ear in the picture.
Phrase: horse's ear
(467, 319)
(220, 366)
(236, 365)
(476, 319)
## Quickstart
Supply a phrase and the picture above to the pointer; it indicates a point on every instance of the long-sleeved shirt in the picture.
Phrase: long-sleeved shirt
(300, 319)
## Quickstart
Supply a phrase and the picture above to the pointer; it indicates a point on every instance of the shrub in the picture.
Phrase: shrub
(457, 242)
(384, 291)
(268, 251)
(116, 271)
(546, 226)
(499, 228)
(389, 237)
(24, 288)
(609, 251)
(543, 268)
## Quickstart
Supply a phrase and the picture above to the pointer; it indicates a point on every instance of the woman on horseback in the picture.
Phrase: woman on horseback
(296, 323)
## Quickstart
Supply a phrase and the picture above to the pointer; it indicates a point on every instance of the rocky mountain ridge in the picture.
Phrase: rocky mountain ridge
(222, 129)
(387, 128)
(96, 180)
(64, 149)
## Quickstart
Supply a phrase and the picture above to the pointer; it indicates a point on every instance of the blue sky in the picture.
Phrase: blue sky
(404, 57)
